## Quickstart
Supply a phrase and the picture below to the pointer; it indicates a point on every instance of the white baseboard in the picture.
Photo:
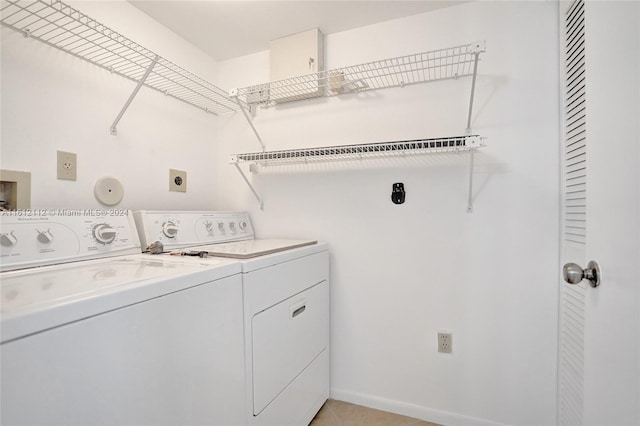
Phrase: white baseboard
(411, 410)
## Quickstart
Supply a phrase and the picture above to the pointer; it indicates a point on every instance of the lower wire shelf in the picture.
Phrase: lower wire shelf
(405, 148)
(360, 151)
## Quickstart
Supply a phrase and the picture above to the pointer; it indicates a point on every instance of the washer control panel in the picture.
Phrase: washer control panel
(179, 229)
(43, 237)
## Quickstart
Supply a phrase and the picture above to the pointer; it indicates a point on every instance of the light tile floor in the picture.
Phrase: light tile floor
(339, 413)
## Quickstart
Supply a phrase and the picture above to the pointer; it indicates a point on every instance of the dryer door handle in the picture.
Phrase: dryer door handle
(297, 309)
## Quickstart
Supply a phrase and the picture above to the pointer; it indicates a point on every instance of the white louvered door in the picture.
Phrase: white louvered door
(574, 214)
(599, 335)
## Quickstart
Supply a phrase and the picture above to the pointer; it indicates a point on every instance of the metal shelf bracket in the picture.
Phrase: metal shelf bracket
(470, 199)
(247, 181)
(476, 48)
(234, 94)
(474, 142)
(113, 129)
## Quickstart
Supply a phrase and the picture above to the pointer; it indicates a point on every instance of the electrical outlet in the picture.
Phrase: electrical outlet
(177, 180)
(444, 342)
(67, 165)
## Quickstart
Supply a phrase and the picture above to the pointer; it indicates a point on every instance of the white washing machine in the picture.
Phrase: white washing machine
(286, 307)
(120, 339)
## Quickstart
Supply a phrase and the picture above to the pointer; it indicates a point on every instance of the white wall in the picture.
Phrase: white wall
(401, 273)
(52, 101)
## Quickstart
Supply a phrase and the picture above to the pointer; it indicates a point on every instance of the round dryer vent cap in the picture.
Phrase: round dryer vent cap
(108, 190)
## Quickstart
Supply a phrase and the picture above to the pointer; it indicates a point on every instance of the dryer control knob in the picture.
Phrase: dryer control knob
(170, 229)
(232, 226)
(8, 239)
(208, 226)
(45, 237)
(104, 233)
(221, 226)
(243, 224)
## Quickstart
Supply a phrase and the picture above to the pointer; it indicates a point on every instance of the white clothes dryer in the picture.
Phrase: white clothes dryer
(119, 339)
(286, 307)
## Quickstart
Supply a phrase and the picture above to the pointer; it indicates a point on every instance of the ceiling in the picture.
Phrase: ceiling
(228, 29)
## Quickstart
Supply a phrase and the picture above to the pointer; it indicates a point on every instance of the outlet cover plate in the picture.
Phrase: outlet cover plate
(177, 180)
(445, 342)
(67, 165)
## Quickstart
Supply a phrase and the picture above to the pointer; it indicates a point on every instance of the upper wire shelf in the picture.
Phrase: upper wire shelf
(63, 27)
(422, 67)
(360, 151)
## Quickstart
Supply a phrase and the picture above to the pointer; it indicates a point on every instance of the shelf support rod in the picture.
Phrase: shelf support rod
(478, 47)
(113, 129)
(255, 193)
(470, 200)
(473, 89)
(244, 112)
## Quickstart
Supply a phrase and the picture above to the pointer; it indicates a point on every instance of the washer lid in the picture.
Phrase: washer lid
(253, 248)
(40, 298)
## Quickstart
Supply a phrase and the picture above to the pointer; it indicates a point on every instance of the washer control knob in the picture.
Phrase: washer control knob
(8, 239)
(170, 229)
(45, 237)
(243, 225)
(104, 233)
(221, 226)
(232, 226)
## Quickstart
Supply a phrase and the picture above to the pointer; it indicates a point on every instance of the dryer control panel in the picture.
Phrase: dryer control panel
(180, 229)
(42, 237)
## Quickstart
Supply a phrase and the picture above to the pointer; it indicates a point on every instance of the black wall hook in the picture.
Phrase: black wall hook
(398, 194)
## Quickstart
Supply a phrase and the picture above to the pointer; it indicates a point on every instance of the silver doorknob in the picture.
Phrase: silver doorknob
(573, 273)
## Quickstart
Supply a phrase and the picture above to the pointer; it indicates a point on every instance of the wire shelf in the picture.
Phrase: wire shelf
(434, 65)
(59, 25)
(360, 151)
(442, 64)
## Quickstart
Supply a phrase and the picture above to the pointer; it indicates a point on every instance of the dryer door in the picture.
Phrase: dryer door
(286, 338)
